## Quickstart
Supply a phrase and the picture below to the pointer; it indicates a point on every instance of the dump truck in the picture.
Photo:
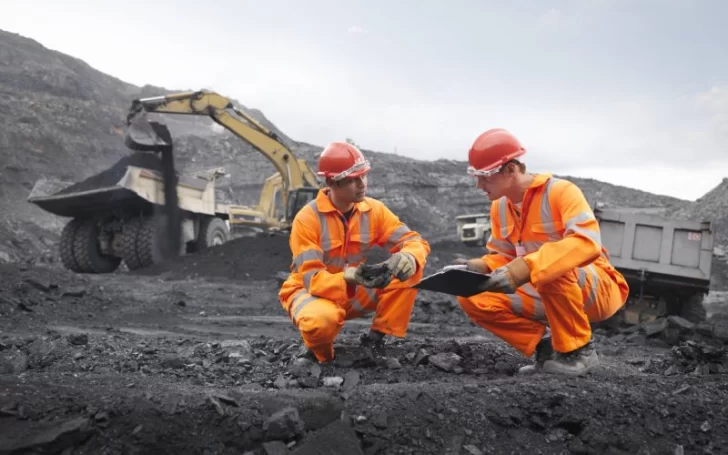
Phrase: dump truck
(667, 262)
(473, 229)
(117, 215)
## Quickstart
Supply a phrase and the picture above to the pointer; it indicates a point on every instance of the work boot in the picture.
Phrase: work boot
(544, 351)
(575, 363)
(304, 353)
(373, 341)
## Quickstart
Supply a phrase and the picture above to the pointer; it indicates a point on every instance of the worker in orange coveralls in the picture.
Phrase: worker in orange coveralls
(551, 275)
(330, 238)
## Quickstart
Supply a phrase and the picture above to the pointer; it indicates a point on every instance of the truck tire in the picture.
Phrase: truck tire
(132, 228)
(149, 242)
(692, 309)
(87, 253)
(66, 246)
(213, 231)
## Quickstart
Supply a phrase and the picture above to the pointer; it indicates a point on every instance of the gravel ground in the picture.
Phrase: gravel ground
(197, 357)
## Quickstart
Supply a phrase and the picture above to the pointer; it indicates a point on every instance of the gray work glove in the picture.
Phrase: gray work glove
(507, 279)
(402, 265)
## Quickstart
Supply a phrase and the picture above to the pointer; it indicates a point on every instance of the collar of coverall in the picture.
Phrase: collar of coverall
(324, 204)
(538, 180)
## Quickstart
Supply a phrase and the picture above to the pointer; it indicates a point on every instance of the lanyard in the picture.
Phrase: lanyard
(520, 249)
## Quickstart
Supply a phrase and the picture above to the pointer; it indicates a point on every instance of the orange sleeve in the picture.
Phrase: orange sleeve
(499, 251)
(581, 242)
(396, 236)
(308, 260)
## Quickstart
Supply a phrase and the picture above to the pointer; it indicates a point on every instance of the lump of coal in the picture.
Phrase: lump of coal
(377, 274)
(371, 271)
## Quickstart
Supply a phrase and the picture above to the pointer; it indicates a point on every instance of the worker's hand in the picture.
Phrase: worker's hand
(402, 265)
(368, 276)
(506, 279)
(473, 265)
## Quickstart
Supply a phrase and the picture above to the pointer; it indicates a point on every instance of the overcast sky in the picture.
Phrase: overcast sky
(632, 92)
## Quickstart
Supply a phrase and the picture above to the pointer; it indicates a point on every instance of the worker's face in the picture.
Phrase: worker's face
(497, 185)
(350, 190)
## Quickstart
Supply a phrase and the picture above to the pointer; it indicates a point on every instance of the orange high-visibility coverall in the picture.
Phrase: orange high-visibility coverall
(572, 280)
(323, 243)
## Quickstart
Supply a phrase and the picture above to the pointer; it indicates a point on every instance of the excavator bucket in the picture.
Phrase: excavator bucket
(145, 136)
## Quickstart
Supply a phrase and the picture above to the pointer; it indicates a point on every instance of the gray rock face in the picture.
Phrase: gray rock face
(57, 112)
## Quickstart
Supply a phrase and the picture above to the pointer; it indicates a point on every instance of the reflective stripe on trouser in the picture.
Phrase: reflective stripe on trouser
(320, 320)
(567, 305)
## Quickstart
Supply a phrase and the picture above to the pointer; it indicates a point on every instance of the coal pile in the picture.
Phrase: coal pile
(244, 258)
(112, 175)
(261, 257)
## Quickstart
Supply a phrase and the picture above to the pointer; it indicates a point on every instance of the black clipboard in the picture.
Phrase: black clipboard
(457, 282)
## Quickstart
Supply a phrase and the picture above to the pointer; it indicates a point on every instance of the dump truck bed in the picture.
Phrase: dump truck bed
(136, 188)
(659, 252)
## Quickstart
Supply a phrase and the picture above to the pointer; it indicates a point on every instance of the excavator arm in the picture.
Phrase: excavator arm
(294, 173)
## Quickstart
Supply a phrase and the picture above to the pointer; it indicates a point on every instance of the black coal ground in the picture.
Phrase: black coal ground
(178, 364)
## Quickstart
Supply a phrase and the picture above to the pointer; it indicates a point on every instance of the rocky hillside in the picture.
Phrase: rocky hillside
(62, 119)
(712, 206)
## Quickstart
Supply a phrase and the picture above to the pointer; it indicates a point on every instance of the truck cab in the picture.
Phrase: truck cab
(473, 229)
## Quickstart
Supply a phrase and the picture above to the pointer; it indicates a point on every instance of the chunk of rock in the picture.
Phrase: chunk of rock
(446, 361)
(333, 381)
(276, 448)
(316, 408)
(284, 425)
(53, 438)
(78, 339)
(336, 438)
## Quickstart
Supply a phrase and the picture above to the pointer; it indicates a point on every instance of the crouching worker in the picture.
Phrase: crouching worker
(551, 275)
(330, 238)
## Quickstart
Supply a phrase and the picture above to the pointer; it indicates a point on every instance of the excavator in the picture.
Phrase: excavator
(295, 182)
(267, 214)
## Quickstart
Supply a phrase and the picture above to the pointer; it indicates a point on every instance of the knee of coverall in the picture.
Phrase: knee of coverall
(557, 286)
(486, 305)
(610, 298)
(320, 322)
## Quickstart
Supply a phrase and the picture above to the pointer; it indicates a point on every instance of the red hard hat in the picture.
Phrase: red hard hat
(340, 160)
(493, 149)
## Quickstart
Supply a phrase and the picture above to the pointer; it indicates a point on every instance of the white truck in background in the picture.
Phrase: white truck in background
(473, 229)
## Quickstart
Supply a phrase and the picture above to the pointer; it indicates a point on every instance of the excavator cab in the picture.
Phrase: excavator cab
(298, 198)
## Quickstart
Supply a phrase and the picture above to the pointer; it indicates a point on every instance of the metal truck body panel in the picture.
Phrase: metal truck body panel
(662, 251)
(196, 194)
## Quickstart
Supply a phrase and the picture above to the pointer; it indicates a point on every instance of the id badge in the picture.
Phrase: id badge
(520, 250)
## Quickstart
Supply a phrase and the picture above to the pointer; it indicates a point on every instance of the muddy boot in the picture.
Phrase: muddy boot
(373, 342)
(575, 363)
(544, 351)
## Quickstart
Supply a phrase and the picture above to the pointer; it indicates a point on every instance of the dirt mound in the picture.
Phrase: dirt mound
(112, 175)
(260, 257)
(245, 258)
